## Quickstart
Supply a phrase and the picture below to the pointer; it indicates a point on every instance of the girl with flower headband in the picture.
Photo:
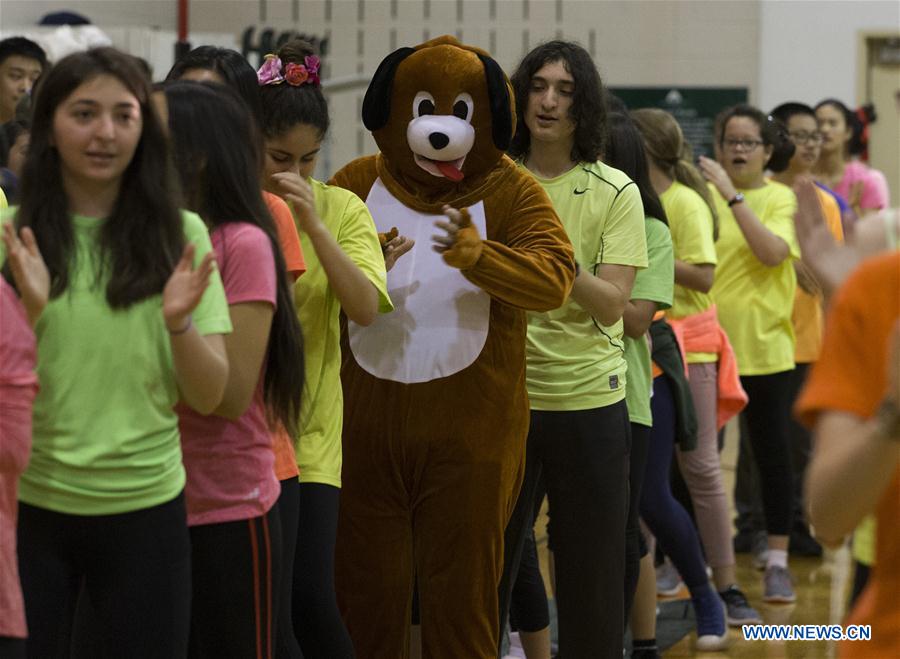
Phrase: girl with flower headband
(229, 67)
(345, 273)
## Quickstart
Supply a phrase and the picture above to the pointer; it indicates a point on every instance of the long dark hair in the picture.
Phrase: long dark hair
(221, 183)
(285, 106)
(625, 151)
(588, 110)
(234, 68)
(772, 132)
(142, 239)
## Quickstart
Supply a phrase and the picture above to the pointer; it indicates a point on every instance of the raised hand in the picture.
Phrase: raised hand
(829, 261)
(714, 173)
(299, 196)
(28, 270)
(185, 288)
(394, 249)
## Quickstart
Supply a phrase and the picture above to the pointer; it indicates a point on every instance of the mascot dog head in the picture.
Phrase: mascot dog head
(440, 113)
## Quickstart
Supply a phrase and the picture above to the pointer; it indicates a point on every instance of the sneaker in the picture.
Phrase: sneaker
(645, 653)
(760, 551)
(668, 581)
(737, 609)
(712, 633)
(778, 585)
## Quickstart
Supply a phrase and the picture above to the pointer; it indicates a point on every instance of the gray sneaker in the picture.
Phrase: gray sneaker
(737, 609)
(778, 585)
(668, 581)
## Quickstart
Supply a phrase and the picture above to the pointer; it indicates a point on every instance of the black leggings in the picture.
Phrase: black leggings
(317, 621)
(136, 571)
(583, 457)
(288, 505)
(635, 544)
(236, 569)
(768, 415)
(12, 648)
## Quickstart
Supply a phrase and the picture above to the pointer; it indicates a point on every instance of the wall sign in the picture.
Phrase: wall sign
(695, 108)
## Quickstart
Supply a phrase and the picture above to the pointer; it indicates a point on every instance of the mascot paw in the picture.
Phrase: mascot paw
(385, 238)
(466, 249)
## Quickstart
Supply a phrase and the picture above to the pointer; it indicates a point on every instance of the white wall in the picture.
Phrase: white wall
(778, 49)
(808, 50)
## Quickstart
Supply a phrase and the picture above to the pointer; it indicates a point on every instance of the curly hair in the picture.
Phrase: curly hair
(588, 111)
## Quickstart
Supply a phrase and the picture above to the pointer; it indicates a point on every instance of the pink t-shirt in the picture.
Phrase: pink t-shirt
(18, 387)
(875, 188)
(230, 464)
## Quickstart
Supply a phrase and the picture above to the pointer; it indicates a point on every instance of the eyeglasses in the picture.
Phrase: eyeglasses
(804, 137)
(745, 145)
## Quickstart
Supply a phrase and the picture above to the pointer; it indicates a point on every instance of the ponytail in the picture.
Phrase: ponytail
(665, 144)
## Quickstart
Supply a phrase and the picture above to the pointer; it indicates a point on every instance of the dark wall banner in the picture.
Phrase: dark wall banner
(695, 108)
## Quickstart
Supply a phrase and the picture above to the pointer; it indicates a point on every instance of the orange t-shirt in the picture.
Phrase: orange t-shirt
(285, 460)
(807, 316)
(850, 376)
(287, 234)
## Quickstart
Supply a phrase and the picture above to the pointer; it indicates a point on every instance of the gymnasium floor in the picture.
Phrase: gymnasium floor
(821, 587)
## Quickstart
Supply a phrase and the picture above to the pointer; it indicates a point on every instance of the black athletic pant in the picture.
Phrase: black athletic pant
(768, 415)
(583, 456)
(635, 544)
(317, 620)
(135, 569)
(236, 572)
(12, 648)
(286, 646)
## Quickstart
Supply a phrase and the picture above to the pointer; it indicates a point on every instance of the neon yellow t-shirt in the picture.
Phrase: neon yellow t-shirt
(573, 362)
(3, 202)
(322, 412)
(105, 434)
(691, 224)
(755, 301)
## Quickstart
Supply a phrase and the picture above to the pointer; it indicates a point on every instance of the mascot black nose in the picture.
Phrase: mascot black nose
(438, 140)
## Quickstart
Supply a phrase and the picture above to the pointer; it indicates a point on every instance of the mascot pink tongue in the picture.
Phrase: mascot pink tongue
(448, 170)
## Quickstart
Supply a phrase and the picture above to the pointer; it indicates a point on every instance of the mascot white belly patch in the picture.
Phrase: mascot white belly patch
(440, 320)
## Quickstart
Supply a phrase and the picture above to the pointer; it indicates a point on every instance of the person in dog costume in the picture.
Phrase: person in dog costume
(436, 412)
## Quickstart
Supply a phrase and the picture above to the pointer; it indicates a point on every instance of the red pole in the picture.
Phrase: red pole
(182, 20)
(182, 45)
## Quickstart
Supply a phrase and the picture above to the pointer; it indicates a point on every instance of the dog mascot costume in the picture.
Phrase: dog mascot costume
(436, 411)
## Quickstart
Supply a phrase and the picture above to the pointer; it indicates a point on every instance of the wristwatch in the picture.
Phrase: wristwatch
(736, 199)
(888, 419)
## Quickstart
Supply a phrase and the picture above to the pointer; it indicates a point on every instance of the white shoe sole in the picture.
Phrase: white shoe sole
(711, 643)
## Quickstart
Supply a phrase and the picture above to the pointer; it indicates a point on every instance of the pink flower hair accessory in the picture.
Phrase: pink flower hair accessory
(270, 73)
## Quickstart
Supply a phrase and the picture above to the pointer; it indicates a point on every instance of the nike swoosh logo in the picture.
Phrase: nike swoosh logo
(577, 191)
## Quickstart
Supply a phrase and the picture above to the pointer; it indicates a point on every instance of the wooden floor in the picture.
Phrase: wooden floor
(821, 586)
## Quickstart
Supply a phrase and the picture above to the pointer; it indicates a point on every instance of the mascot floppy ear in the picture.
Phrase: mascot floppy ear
(501, 106)
(376, 107)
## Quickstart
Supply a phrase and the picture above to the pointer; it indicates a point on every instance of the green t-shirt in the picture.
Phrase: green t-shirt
(755, 302)
(105, 435)
(573, 362)
(691, 224)
(654, 284)
(322, 412)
